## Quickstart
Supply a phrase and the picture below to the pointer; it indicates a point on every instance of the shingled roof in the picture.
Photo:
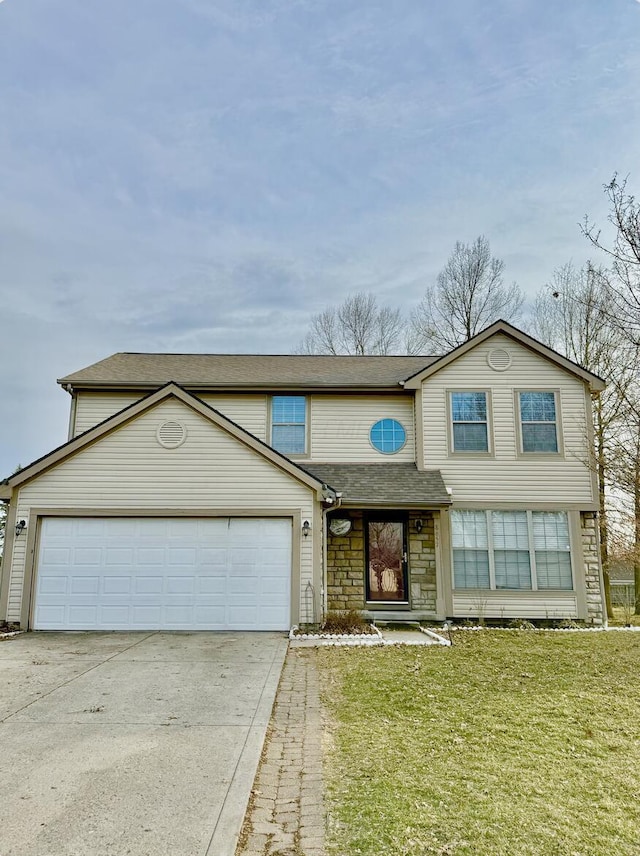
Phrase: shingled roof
(383, 484)
(206, 371)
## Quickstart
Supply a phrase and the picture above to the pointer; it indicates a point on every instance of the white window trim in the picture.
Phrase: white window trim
(307, 423)
(558, 424)
(532, 553)
(453, 452)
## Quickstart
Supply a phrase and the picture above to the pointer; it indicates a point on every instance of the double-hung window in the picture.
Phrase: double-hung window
(289, 424)
(520, 550)
(538, 421)
(470, 429)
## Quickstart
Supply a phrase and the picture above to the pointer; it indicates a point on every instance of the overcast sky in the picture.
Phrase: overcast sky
(203, 175)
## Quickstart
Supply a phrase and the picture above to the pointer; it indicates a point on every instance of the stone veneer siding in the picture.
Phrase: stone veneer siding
(592, 575)
(422, 562)
(346, 565)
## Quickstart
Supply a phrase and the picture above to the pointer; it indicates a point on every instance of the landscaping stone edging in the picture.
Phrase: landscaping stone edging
(365, 637)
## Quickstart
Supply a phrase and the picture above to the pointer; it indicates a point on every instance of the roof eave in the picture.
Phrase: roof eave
(147, 386)
(422, 506)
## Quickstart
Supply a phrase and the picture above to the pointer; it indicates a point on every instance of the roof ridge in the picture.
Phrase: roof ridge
(258, 354)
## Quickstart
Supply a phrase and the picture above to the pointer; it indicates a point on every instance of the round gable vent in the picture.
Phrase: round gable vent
(499, 359)
(171, 435)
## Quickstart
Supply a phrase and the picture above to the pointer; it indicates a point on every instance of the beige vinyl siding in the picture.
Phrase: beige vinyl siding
(17, 562)
(499, 604)
(129, 469)
(248, 411)
(507, 476)
(340, 426)
(92, 408)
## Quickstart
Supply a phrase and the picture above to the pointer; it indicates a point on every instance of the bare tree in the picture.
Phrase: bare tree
(469, 294)
(357, 326)
(572, 316)
(623, 252)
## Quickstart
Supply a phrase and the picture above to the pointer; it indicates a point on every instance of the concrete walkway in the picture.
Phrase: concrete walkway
(286, 813)
(143, 744)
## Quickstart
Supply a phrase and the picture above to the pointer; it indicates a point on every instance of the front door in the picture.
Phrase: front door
(387, 560)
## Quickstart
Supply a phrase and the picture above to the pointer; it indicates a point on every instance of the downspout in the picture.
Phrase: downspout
(335, 500)
(72, 411)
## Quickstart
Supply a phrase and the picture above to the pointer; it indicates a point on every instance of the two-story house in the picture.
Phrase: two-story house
(256, 492)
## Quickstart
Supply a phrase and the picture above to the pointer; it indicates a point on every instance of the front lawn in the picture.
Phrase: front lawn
(507, 744)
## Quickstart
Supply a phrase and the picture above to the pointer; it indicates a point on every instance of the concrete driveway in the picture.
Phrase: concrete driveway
(131, 744)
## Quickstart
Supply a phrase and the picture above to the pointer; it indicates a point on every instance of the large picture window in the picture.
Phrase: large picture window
(521, 550)
(288, 424)
(538, 422)
(469, 422)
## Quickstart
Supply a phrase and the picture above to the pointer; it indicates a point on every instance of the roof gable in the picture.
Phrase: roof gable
(170, 390)
(595, 383)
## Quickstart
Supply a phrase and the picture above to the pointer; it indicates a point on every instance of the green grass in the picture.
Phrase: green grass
(507, 744)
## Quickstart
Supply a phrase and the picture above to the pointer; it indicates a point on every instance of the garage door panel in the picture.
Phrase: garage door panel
(84, 614)
(85, 585)
(91, 527)
(115, 616)
(56, 556)
(149, 556)
(54, 585)
(181, 556)
(52, 616)
(212, 585)
(116, 585)
(137, 573)
(210, 616)
(143, 617)
(181, 585)
(87, 556)
(179, 616)
(119, 556)
(148, 585)
(272, 587)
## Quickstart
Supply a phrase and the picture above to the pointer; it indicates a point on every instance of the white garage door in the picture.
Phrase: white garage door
(163, 573)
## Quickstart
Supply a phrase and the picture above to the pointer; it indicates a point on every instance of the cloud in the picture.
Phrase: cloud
(205, 176)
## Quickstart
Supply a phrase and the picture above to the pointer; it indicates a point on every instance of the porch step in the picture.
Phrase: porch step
(392, 617)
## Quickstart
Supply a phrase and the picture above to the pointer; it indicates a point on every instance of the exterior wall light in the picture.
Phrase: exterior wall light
(418, 524)
(306, 528)
(21, 525)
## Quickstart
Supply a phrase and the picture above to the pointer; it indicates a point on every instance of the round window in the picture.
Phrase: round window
(387, 436)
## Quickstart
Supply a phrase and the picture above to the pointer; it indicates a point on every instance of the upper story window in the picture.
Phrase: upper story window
(470, 430)
(538, 421)
(288, 424)
(387, 436)
(511, 550)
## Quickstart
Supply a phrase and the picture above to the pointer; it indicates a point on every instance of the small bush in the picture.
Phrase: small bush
(570, 624)
(345, 621)
(521, 624)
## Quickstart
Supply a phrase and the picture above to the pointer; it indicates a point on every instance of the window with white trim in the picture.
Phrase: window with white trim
(470, 430)
(538, 421)
(288, 424)
(517, 550)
